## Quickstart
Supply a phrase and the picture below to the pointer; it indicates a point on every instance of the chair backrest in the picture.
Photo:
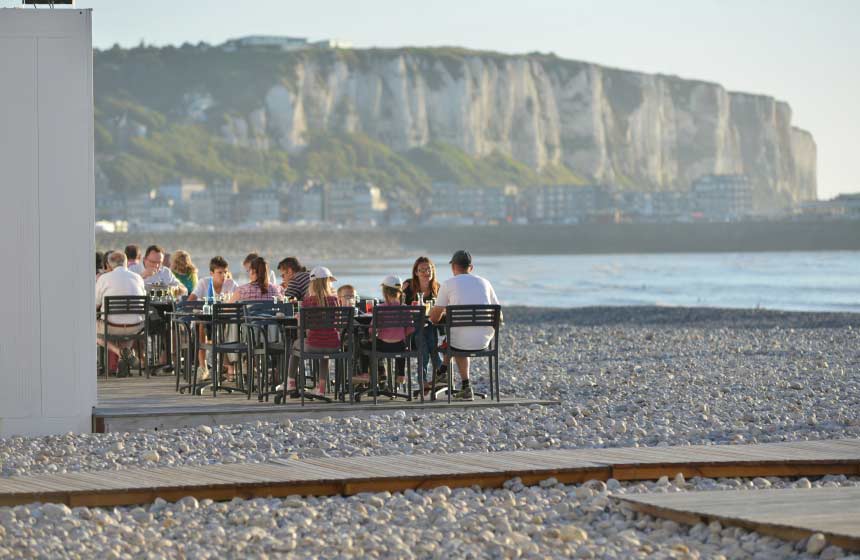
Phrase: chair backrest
(397, 316)
(473, 316)
(228, 313)
(266, 308)
(188, 305)
(319, 318)
(125, 305)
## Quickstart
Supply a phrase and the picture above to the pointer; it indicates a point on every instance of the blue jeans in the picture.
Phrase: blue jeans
(431, 339)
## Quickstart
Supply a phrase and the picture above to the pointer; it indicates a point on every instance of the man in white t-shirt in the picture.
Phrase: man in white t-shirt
(464, 288)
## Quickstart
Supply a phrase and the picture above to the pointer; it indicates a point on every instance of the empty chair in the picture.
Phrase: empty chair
(225, 316)
(184, 341)
(266, 339)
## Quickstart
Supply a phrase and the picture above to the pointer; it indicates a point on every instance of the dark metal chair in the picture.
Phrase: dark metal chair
(124, 305)
(266, 337)
(462, 316)
(184, 338)
(396, 316)
(225, 315)
(326, 318)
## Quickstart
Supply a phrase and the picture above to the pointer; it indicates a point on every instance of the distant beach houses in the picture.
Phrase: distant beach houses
(355, 204)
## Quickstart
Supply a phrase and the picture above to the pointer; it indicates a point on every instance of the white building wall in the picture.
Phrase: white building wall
(47, 335)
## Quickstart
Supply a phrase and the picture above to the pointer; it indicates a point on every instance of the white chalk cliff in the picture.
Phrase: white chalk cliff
(625, 128)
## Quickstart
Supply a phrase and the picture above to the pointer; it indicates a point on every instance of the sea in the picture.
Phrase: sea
(798, 281)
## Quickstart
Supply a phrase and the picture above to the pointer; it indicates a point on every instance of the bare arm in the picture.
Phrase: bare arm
(436, 314)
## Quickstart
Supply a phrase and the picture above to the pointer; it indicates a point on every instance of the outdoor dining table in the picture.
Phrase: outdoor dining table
(288, 324)
(195, 317)
(163, 308)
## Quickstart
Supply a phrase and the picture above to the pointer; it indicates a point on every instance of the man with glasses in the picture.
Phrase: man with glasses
(156, 274)
(154, 271)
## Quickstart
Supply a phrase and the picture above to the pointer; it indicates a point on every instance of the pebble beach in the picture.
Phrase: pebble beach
(624, 376)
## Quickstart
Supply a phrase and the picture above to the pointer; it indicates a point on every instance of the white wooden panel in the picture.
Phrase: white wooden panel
(20, 390)
(65, 212)
(47, 357)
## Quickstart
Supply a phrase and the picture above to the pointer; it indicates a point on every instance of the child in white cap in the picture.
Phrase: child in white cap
(319, 294)
(390, 339)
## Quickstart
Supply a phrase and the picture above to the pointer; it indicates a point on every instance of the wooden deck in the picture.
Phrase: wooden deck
(134, 403)
(790, 514)
(350, 475)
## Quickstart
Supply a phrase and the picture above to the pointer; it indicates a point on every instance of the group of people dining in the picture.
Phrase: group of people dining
(131, 271)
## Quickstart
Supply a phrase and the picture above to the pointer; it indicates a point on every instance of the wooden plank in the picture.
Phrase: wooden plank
(791, 514)
(347, 475)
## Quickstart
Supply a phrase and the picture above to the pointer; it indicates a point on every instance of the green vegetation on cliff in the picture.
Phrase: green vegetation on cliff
(145, 136)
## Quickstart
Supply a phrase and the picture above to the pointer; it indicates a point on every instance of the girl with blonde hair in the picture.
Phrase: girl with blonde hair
(184, 269)
(320, 294)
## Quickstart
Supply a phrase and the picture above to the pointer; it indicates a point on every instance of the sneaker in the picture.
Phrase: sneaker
(202, 373)
(133, 361)
(442, 376)
(122, 368)
(464, 394)
(291, 385)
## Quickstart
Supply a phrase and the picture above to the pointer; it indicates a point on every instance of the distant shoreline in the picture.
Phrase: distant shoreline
(631, 238)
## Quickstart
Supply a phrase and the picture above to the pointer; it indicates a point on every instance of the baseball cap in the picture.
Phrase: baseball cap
(392, 281)
(461, 258)
(321, 272)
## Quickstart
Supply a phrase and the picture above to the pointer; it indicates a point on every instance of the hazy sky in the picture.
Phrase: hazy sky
(805, 52)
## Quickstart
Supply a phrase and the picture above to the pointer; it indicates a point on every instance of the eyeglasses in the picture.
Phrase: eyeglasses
(425, 270)
(152, 262)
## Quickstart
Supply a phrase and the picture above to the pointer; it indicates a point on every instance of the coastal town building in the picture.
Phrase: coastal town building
(722, 197)
(453, 204)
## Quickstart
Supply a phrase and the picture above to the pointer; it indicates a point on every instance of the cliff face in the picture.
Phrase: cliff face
(624, 128)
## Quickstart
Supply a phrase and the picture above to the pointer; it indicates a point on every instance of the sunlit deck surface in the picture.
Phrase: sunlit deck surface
(790, 514)
(136, 402)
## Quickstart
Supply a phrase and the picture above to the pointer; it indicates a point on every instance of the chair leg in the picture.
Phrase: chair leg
(450, 375)
(302, 377)
(492, 384)
(496, 366)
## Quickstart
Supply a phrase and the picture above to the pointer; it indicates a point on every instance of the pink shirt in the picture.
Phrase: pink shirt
(322, 338)
(251, 291)
(393, 334)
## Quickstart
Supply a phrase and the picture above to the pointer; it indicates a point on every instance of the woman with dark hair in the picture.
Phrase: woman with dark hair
(99, 263)
(258, 286)
(424, 282)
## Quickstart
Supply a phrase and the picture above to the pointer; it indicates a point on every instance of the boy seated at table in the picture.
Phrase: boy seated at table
(390, 339)
(346, 296)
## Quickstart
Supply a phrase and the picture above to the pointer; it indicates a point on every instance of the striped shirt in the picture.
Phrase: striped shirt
(252, 291)
(298, 286)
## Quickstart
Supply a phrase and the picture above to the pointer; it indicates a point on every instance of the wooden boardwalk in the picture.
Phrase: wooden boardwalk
(790, 514)
(350, 475)
(133, 403)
